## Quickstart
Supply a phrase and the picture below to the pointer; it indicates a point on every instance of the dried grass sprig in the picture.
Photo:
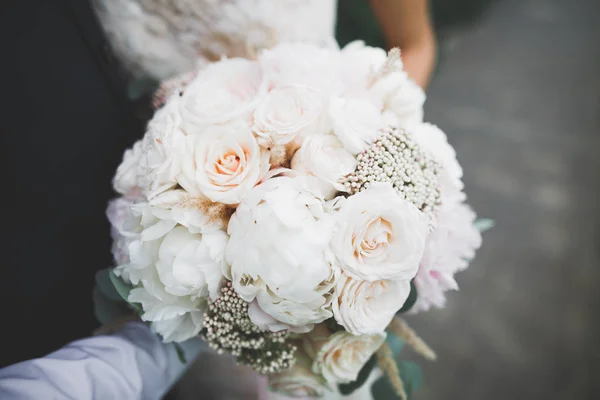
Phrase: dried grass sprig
(388, 366)
(400, 328)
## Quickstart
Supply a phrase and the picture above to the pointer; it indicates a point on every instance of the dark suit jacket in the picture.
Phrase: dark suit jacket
(64, 124)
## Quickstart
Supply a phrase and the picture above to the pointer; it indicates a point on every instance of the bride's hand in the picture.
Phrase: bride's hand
(406, 24)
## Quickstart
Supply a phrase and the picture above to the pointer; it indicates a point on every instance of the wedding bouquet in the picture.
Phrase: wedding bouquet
(286, 209)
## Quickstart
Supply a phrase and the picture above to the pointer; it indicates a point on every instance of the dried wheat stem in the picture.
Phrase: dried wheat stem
(387, 364)
(400, 328)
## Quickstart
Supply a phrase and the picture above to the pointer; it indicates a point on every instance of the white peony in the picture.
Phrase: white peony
(223, 163)
(175, 318)
(448, 250)
(126, 180)
(356, 123)
(342, 356)
(299, 381)
(222, 92)
(173, 269)
(285, 112)
(432, 139)
(399, 96)
(187, 263)
(379, 235)
(162, 148)
(279, 253)
(359, 64)
(363, 307)
(324, 157)
(301, 64)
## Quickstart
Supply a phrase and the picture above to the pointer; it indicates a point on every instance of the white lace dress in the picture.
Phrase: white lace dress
(158, 39)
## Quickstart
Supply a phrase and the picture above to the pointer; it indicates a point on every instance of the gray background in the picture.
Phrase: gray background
(519, 95)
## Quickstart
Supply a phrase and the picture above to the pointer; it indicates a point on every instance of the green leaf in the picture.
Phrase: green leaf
(180, 353)
(363, 375)
(123, 289)
(333, 326)
(412, 298)
(105, 285)
(484, 224)
(396, 344)
(411, 375)
(106, 309)
(109, 303)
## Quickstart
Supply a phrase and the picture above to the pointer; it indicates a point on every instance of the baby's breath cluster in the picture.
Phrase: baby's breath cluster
(395, 158)
(228, 329)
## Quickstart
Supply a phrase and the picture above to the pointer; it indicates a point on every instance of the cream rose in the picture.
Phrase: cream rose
(325, 158)
(379, 235)
(355, 122)
(220, 93)
(286, 112)
(223, 164)
(300, 380)
(363, 307)
(343, 355)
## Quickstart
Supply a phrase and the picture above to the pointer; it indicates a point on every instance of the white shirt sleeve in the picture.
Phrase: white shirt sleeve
(131, 364)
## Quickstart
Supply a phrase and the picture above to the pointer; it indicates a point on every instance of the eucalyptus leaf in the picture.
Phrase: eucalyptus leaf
(484, 224)
(107, 309)
(363, 375)
(105, 285)
(123, 289)
(411, 376)
(396, 344)
(412, 298)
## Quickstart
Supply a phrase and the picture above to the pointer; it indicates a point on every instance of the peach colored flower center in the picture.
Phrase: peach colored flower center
(372, 241)
(228, 168)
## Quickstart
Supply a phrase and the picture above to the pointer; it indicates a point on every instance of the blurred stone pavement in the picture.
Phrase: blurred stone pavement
(518, 93)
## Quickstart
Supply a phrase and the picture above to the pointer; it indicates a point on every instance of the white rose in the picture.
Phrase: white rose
(363, 307)
(286, 112)
(355, 122)
(162, 148)
(300, 380)
(175, 318)
(379, 235)
(342, 357)
(223, 164)
(324, 157)
(126, 179)
(279, 253)
(220, 93)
